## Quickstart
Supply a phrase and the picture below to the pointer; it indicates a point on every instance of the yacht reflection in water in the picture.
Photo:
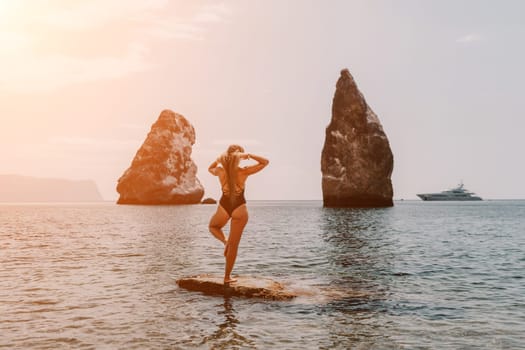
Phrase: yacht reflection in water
(226, 336)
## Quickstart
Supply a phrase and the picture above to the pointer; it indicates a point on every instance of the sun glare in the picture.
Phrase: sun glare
(7, 12)
(4, 6)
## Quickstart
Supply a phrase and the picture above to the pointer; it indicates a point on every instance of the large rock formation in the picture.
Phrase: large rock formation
(245, 286)
(356, 161)
(17, 188)
(162, 171)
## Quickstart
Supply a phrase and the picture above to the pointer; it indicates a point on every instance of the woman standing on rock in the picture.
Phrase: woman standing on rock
(232, 203)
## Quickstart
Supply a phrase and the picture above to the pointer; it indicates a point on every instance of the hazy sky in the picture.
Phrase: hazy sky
(81, 82)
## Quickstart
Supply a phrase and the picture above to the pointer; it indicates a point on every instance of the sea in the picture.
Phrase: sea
(419, 275)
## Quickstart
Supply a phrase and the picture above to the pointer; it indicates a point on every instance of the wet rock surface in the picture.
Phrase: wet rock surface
(209, 201)
(245, 286)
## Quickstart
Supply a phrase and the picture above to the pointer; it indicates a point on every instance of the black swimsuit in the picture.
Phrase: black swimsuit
(230, 206)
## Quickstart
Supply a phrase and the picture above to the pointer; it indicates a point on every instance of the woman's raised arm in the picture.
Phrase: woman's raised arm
(252, 169)
(214, 168)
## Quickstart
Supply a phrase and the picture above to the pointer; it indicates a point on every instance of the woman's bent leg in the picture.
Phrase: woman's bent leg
(217, 222)
(239, 220)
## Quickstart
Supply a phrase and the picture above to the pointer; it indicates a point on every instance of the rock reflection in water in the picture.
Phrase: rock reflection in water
(358, 240)
(227, 336)
(361, 254)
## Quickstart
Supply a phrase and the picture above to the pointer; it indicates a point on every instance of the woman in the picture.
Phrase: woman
(232, 204)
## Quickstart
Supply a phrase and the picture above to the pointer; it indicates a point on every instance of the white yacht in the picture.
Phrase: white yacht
(455, 194)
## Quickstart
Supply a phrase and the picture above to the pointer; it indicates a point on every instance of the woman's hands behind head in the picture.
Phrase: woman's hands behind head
(244, 156)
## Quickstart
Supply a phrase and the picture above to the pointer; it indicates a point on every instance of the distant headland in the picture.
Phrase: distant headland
(17, 188)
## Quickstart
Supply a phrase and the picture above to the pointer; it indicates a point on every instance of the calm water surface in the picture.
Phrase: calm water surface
(418, 275)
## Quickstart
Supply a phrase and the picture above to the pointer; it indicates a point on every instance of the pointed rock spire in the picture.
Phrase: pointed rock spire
(356, 160)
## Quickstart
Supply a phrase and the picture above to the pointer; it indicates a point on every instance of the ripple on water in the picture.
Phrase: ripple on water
(416, 275)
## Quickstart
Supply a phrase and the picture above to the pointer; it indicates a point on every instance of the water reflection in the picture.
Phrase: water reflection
(360, 242)
(361, 254)
(227, 336)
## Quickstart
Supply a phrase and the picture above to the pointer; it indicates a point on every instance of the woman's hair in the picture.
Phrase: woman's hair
(230, 162)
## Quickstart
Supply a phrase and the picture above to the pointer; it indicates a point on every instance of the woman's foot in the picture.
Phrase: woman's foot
(229, 280)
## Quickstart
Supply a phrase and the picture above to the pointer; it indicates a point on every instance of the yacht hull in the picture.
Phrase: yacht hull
(439, 197)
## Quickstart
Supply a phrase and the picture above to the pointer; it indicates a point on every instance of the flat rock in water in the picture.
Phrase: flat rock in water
(245, 286)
